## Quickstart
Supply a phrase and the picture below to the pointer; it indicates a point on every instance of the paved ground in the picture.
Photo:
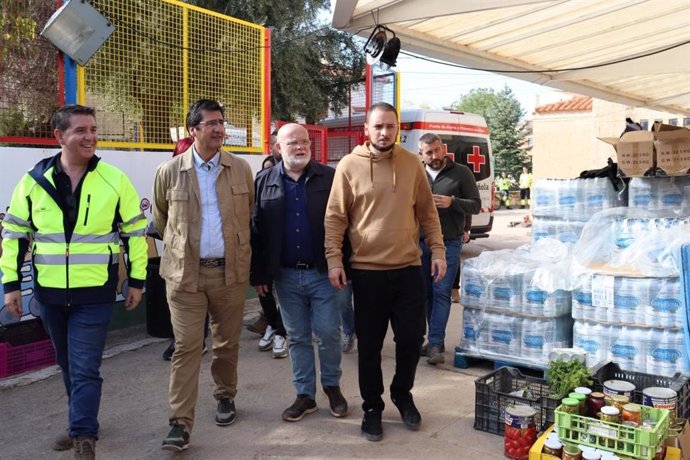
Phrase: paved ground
(134, 406)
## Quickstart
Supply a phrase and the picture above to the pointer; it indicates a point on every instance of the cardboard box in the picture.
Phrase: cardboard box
(665, 148)
(680, 442)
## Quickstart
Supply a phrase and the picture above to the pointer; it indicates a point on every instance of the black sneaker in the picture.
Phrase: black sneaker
(336, 400)
(167, 354)
(302, 406)
(371, 425)
(177, 439)
(225, 413)
(409, 413)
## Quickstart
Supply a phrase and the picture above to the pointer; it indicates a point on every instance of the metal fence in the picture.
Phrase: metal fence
(163, 55)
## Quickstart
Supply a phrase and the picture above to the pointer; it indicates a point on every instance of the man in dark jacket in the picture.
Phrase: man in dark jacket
(455, 196)
(287, 236)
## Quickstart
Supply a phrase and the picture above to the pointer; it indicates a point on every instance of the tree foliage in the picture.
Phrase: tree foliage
(313, 65)
(503, 114)
(28, 78)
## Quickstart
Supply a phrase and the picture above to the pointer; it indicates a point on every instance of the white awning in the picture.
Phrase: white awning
(634, 52)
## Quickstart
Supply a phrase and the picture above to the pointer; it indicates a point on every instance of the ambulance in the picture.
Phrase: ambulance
(465, 137)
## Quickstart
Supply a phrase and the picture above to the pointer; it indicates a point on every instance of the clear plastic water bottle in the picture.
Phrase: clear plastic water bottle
(629, 347)
(541, 228)
(533, 298)
(666, 352)
(544, 200)
(582, 298)
(663, 309)
(471, 321)
(504, 335)
(630, 295)
(505, 292)
(534, 338)
(669, 196)
(569, 199)
(473, 293)
(593, 338)
(642, 194)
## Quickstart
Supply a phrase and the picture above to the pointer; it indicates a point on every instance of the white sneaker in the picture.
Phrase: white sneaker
(266, 341)
(280, 348)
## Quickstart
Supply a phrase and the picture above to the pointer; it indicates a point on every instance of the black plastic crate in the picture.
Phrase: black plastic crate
(680, 383)
(492, 397)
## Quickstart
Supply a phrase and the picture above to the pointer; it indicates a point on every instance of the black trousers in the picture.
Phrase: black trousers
(271, 312)
(381, 297)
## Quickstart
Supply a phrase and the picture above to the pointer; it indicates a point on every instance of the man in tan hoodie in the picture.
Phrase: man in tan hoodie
(380, 197)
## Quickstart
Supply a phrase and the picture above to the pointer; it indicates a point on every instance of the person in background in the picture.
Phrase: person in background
(274, 334)
(182, 146)
(525, 183)
(503, 184)
(455, 195)
(380, 199)
(71, 211)
(202, 202)
(288, 248)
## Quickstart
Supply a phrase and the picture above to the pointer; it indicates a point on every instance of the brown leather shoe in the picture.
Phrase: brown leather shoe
(258, 326)
(84, 448)
(62, 441)
(302, 406)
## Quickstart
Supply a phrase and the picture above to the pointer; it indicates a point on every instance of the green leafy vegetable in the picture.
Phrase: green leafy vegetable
(564, 376)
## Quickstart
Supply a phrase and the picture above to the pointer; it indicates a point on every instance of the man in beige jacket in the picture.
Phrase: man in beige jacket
(380, 198)
(202, 203)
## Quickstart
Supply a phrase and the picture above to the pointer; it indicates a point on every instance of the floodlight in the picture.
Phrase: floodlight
(375, 45)
(390, 53)
(78, 30)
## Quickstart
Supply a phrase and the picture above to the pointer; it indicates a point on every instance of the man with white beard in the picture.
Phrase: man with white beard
(287, 237)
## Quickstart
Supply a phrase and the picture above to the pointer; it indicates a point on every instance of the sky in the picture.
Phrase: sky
(426, 84)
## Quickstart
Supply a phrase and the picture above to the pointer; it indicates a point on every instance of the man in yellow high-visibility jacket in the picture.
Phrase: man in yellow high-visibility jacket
(72, 211)
(525, 183)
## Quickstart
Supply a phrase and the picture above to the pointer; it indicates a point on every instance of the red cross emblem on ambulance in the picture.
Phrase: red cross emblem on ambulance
(476, 159)
(444, 150)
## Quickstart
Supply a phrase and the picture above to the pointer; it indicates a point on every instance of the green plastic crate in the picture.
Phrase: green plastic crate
(620, 439)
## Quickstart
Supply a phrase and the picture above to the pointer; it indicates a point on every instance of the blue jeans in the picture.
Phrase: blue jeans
(438, 294)
(78, 334)
(308, 306)
(347, 311)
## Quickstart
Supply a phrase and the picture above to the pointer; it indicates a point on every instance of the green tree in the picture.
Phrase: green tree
(313, 65)
(503, 114)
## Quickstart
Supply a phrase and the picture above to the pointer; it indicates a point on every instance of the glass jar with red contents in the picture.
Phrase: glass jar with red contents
(596, 402)
(520, 432)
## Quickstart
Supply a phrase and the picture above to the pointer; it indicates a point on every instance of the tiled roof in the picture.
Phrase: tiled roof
(575, 104)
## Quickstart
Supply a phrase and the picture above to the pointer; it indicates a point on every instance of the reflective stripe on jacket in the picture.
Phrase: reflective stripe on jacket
(81, 269)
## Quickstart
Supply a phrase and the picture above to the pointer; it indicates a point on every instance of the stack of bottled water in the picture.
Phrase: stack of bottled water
(635, 322)
(508, 315)
(655, 193)
(562, 207)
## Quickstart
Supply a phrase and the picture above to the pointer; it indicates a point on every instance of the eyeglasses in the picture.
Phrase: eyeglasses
(302, 143)
(212, 123)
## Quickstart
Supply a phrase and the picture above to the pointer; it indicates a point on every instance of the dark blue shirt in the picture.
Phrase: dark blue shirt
(297, 235)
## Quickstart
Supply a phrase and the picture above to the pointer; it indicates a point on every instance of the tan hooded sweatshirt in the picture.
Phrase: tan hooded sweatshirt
(380, 200)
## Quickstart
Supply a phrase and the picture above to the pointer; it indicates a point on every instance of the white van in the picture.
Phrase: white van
(465, 135)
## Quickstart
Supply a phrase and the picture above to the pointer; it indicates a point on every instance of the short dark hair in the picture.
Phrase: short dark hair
(194, 115)
(61, 117)
(429, 138)
(382, 106)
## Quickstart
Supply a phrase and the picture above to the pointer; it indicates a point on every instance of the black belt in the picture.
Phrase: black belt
(301, 266)
(210, 263)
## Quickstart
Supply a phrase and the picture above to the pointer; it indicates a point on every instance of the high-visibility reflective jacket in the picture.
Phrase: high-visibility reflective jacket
(525, 180)
(80, 268)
